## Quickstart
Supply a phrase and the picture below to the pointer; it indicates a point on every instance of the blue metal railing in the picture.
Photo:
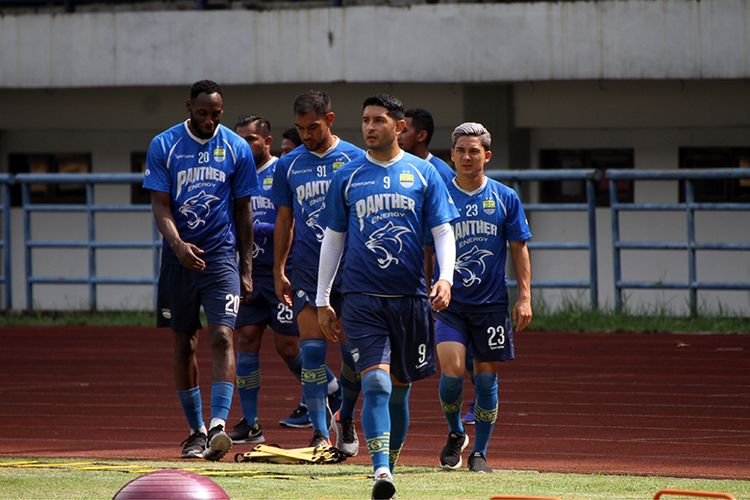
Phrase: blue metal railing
(690, 206)
(90, 208)
(589, 177)
(5, 280)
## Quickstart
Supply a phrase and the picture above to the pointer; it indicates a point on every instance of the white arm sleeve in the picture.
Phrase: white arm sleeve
(445, 250)
(331, 250)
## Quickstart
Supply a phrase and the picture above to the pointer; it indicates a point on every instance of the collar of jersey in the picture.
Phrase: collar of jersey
(267, 164)
(197, 139)
(388, 163)
(470, 193)
(335, 144)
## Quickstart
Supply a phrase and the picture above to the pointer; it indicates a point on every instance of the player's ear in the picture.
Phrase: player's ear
(487, 156)
(422, 136)
(329, 118)
(400, 125)
(189, 106)
(269, 140)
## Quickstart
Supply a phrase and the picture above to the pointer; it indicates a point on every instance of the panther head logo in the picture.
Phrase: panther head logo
(381, 239)
(312, 223)
(258, 249)
(473, 258)
(197, 208)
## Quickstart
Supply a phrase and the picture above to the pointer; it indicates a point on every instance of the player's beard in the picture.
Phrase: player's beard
(258, 160)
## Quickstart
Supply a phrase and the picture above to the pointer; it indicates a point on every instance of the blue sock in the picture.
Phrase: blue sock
(350, 383)
(221, 399)
(376, 419)
(248, 384)
(314, 381)
(485, 410)
(295, 366)
(451, 397)
(399, 412)
(192, 407)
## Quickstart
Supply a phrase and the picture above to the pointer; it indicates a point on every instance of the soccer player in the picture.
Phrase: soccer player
(264, 308)
(289, 140)
(201, 176)
(381, 208)
(477, 317)
(300, 184)
(416, 137)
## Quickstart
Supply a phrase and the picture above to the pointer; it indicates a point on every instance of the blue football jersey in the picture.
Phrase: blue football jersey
(490, 216)
(202, 177)
(301, 181)
(386, 210)
(445, 171)
(264, 220)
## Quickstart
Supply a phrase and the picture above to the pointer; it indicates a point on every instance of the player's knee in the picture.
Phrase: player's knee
(376, 383)
(221, 339)
(288, 351)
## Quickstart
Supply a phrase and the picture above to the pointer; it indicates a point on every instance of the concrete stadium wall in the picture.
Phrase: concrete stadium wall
(634, 39)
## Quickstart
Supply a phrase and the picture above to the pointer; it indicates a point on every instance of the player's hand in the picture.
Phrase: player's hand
(246, 286)
(189, 256)
(521, 314)
(330, 325)
(283, 288)
(440, 295)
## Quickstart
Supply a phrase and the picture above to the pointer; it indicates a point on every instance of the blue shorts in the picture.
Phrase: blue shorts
(396, 331)
(265, 309)
(486, 331)
(182, 292)
(302, 297)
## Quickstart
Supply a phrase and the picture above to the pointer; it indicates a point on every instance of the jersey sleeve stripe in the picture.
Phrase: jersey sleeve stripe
(424, 181)
(500, 201)
(231, 150)
(171, 150)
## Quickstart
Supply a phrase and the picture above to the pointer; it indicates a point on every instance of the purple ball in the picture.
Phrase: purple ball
(171, 484)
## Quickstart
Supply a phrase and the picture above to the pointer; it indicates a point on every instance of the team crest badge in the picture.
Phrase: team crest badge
(489, 206)
(267, 183)
(337, 165)
(406, 180)
(220, 154)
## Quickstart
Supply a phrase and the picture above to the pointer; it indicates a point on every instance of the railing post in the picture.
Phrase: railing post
(8, 288)
(616, 269)
(91, 250)
(593, 270)
(27, 247)
(692, 275)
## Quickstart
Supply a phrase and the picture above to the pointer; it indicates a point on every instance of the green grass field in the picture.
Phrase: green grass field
(570, 318)
(256, 481)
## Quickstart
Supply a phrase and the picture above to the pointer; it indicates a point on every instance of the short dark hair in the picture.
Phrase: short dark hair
(387, 101)
(205, 87)
(312, 101)
(421, 119)
(292, 135)
(264, 127)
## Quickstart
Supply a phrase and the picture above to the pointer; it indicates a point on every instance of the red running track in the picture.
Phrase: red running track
(657, 404)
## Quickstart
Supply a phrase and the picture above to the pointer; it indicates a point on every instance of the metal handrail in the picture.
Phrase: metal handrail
(589, 176)
(90, 208)
(690, 206)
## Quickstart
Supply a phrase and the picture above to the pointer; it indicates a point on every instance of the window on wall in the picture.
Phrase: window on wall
(50, 163)
(717, 191)
(573, 191)
(138, 195)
